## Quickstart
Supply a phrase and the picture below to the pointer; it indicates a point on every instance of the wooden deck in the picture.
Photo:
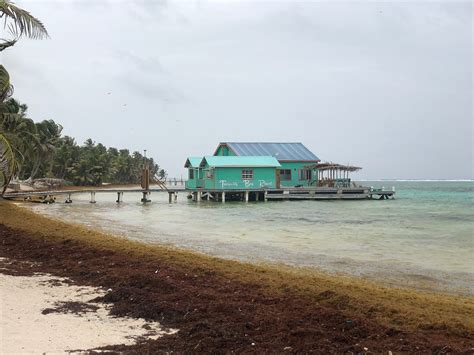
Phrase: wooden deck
(288, 193)
(291, 193)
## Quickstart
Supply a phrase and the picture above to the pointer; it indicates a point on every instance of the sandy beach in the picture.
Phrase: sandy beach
(41, 313)
(216, 305)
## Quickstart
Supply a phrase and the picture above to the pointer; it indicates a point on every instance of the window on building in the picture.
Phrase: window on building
(305, 174)
(247, 174)
(191, 174)
(285, 174)
(209, 174)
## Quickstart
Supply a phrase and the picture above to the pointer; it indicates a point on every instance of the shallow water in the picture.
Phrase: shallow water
(422, 239)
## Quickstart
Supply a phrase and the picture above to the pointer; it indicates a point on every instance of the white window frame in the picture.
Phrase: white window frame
(247, 174)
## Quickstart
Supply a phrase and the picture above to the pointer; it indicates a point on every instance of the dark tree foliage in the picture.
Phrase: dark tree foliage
(41, 151)
(93, 164)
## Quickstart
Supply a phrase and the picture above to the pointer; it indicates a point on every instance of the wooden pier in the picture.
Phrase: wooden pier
(218, 195)
(290, 193)
(50, 196)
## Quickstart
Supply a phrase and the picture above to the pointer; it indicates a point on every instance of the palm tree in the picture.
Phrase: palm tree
(19, 23)
(44, 146)
(22, 135)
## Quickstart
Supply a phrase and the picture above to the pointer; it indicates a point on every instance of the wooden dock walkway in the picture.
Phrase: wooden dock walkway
(287, 193)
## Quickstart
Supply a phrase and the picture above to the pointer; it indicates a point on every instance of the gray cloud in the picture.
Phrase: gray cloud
(384, 85)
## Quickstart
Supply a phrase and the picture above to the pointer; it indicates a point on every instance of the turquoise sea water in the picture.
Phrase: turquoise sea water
(423, 238)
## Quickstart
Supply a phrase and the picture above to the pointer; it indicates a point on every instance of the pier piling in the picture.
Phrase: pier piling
(145, 197)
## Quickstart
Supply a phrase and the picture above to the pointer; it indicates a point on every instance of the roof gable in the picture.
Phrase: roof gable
(193, 162)
(240, 162)
(281, 151)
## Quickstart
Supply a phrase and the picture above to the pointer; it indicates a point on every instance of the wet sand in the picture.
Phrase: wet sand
(221, 305)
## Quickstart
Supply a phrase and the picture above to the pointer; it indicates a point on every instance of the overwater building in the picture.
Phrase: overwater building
(252, 166)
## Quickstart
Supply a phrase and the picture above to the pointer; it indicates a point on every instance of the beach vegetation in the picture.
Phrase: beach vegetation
(38, 149)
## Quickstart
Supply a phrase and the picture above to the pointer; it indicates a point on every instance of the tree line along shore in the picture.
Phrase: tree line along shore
(221, 305)
(40, 150)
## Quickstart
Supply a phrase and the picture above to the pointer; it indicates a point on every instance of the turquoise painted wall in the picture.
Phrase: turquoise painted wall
(295, 167)
(196, 181)
(236, 176)
(231, 179)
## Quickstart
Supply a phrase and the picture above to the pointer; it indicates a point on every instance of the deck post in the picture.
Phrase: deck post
(145, 197)
(199, 195)
(92, 197)
(170, 197)
(175, 195)
(119, 197)
(246, 196)
(265, 198)
(68, 198)
(223, 196)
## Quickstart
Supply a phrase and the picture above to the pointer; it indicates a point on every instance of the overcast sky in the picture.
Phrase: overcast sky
(387, 86)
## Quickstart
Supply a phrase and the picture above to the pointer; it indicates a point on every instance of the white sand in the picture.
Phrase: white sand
(24, 329)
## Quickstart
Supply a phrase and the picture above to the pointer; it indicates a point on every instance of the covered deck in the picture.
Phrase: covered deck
(334, 175)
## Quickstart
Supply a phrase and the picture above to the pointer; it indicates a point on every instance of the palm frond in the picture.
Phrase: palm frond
(20, 22)
(5, 87)
(7, 163)
(5, 44)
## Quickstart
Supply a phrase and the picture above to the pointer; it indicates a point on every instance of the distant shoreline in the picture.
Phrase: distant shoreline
(222, 305)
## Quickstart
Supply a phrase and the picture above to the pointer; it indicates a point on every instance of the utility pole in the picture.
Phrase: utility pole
(145, 180)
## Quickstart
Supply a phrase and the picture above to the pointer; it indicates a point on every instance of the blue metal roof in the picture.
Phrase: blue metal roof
(193, 162)
(281, 151)
(241, 162)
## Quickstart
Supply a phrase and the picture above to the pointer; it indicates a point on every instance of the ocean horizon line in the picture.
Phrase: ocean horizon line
(420, 180)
